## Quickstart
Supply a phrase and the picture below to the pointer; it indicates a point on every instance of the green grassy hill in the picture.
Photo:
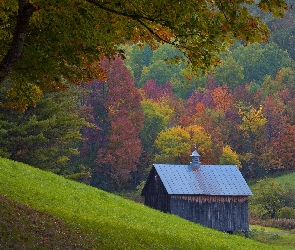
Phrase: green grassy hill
(40, 210)
(282, 179)
(287, 178)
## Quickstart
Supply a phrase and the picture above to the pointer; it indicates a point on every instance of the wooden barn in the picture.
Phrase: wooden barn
(214, 196)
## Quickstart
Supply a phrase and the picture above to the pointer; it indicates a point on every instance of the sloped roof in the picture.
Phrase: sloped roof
(205, 180)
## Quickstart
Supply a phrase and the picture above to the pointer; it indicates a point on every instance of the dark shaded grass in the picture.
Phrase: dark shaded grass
(23, 227)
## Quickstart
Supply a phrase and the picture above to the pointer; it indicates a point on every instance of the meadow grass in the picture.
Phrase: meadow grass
(282, 179)
(273, 236)
(113, 222)
(287, 178)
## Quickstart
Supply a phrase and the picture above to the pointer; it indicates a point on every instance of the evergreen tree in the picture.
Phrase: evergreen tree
(45, 136)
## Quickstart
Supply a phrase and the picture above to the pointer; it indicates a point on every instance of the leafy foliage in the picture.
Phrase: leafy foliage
(47, 136)
(156, 117)
(119, 155)
(273, 199)
(174, 144)
(247, 105)
(136, 59)
(230, 72)
(268, 197)
(252, 120)
(229, 157)
(222, 98)
(258, 60)
(40, 47)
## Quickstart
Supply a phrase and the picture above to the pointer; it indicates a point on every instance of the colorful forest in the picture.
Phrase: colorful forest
(151, 107)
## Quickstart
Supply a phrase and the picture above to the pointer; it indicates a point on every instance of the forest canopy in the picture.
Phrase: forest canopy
(47, 43)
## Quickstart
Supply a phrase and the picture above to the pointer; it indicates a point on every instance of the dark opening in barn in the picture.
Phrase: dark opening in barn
(214, 196)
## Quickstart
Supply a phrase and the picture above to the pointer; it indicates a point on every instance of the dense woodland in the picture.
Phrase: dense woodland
(150, 107)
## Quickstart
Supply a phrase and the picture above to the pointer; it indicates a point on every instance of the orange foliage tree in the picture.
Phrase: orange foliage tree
(222, 98)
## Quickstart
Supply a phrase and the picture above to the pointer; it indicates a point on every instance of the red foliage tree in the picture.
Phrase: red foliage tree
(284, 155)
(154, 91)
(120, 154)
(242, 94)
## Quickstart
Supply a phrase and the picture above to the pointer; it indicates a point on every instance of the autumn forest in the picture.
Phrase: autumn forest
(147, 106)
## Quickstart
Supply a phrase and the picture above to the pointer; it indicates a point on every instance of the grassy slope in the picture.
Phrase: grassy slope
(274, 236)
(99, 219)
(287, 178)
(22, 227)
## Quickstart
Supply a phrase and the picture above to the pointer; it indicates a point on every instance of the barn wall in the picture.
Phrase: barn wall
(155, 194)
(224, 213)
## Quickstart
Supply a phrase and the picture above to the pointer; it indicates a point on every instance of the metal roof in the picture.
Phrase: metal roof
(204, 180)
(195, 153)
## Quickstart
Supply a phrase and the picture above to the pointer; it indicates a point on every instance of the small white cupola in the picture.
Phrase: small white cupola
(195, 159)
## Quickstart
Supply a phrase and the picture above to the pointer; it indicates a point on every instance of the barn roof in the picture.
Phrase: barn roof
(204, 180)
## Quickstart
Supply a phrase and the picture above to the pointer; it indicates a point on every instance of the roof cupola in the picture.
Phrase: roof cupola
(195, 159)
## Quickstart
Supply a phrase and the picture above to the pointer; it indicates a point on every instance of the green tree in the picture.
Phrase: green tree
(160, 71)
(259, 60)
(286, 77)
(283, 31)
(229, 72)
(43, 42)
(47, 136)
(267, 198)
(166, 52)
(156, 117)
(136, 58)
(270, 86)
(168, 64)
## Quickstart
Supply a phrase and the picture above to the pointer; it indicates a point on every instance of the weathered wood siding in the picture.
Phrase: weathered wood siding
(224, 213)
(155, 194)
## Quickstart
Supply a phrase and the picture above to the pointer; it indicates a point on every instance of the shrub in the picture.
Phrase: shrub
(286, 213)
(284, 224)
(262, 236)
(289, 195)
(257, 211)
(267, 197)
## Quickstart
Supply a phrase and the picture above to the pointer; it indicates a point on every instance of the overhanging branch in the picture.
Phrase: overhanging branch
(14, 53)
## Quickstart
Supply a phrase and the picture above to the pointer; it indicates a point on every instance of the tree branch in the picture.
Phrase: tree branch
(14, 53)
(136, 17)
(120, 13)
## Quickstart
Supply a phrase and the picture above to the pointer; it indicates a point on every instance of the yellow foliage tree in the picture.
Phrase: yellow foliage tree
(175, 144)
(252, 120)
(229, 157)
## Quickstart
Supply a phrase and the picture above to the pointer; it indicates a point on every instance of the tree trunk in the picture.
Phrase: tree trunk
(14, 53)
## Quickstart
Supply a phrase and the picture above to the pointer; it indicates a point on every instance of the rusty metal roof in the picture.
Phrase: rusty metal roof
(205, 180)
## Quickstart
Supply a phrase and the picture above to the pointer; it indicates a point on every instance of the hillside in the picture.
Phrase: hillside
(22, 227)
(287, 178)
(63, 213)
